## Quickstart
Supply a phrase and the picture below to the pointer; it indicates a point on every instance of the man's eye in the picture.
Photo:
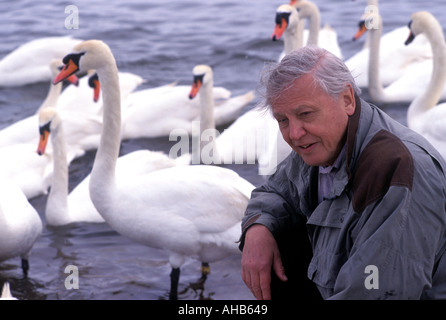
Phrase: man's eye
(282, 122)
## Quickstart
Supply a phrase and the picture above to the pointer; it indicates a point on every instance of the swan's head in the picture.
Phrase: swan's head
(56, 66)
(90, 54)
(294, 2)
(48, 121)
(422, 22)
(287, 18)
(370, 20)
(93, 82)
(203, 75)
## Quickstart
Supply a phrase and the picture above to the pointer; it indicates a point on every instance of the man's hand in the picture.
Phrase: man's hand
(261, 255)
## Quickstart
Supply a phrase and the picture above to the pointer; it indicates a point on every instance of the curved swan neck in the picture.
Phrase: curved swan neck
(311, 12)
(207, 120)
(433, 92)
(56, 211)
(376, 90)
(103, 173)
(52, 96)
(293, 39)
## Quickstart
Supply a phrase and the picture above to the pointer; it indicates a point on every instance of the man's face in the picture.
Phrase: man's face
(312, 122)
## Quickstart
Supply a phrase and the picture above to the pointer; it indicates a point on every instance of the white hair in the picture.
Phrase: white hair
(329, 73)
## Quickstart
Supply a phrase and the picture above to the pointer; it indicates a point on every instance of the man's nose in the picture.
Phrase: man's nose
(296, 130)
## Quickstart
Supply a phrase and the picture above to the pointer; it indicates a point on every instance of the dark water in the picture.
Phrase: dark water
(160, 41)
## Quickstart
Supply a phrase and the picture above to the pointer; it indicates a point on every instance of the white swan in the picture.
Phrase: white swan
(203, 83)
(58, 212)
(24, 131)
(287, 25)
(290, 22)
(38, 53)
(423, 115)
(82, 116)
(20, 224)
(326, 37)
(253, 136)
(168, 107)
(190, 211)
(82, 100)
(19, 161)
(63, 208)
(390, 58)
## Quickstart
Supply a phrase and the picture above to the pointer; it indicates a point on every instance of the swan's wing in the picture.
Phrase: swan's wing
(22, 131)
(128, 82)
(21, 223)
(229, 110)
(413, 81)
(246, 133)
(212, 199)
(82, 131)
(394, 57)
(328, 39)
(128, 166)
(434, 120)
(21, 163)
(37, 53)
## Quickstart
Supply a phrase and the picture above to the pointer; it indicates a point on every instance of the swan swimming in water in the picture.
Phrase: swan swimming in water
(204, 220)
(389, 69)
(424, 115)
(20, 224)
(63, 208)
(39, 52)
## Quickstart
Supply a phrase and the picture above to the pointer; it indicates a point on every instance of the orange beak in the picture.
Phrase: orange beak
(362, 29)
(94, 83)
(96, 90)
(44, 137)
(198, 82)
(69, 69)
(293, 2)
(73, 79)
(279, 30)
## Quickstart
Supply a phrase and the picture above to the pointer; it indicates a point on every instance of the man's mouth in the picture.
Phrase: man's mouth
(306, 146)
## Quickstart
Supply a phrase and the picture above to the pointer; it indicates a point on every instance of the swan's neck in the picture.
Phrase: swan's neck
(310, 11)
(376, 90)
(52, 96)
(433, 92)
(299, 35)
(56, 211)
(207, 121)
(102, 181)
(293, 37)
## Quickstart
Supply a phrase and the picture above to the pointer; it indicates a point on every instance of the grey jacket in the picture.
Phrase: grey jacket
(380, 233)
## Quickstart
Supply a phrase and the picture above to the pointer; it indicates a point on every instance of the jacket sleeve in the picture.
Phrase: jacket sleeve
(396, 242)
(273, 204)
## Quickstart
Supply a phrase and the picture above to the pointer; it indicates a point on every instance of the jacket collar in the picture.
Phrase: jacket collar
(352, 129)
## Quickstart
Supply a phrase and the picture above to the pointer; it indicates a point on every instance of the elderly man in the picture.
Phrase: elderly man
(364, 191)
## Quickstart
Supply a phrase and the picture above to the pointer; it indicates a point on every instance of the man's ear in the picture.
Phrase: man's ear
(348, 96)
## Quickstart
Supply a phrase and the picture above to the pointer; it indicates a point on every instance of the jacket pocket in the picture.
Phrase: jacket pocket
(323, 271)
